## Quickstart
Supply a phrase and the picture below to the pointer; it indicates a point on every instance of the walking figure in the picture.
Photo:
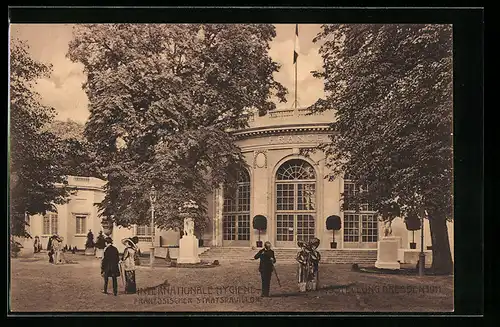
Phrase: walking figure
(37, 245)
(266, 267)
(109, 266)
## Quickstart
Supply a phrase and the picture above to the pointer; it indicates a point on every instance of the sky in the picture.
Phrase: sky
(48, 43)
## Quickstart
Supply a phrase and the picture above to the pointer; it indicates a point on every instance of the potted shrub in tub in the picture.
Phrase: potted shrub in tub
(260, 224)
(333, 223)
(412, 223)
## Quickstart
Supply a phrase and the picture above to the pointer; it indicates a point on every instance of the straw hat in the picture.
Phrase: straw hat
(128, 242)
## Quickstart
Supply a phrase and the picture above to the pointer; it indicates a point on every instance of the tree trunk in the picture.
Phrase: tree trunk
(441, 254)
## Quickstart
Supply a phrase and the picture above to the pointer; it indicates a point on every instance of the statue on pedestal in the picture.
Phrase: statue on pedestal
(188, 226)
(188, 244)
(388, 228)
(188, 221)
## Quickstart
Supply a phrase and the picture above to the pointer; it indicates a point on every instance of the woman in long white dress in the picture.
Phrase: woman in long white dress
(100, 245)
(57, 246)
(128, 264)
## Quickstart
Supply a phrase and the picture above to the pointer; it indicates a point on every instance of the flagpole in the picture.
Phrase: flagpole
(296, 64)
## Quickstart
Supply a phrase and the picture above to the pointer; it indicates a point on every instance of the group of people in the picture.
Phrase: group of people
(55, 249)
(308, 259)
(113, 267)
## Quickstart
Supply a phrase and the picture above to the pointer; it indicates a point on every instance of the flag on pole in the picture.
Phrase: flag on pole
(296, 45)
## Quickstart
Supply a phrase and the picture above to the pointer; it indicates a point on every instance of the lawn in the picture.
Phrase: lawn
(37, 286)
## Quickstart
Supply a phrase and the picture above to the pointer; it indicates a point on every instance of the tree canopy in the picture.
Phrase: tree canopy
(163, 99)
(79, 156)
(391, 87)
(35, 156)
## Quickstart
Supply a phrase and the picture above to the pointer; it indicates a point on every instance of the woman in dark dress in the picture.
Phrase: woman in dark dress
(50, 250)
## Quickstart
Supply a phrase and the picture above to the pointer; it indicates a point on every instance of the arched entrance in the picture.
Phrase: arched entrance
(295, 207)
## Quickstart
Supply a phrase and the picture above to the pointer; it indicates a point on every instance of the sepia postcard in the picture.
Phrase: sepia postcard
(231, 168)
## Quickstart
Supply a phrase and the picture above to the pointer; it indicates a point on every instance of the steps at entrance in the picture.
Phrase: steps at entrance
(341, 256)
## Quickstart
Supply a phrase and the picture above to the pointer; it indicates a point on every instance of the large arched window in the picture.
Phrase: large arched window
(295, 202)
(236, 212)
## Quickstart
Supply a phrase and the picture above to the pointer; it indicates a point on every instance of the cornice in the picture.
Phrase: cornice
(282, 129)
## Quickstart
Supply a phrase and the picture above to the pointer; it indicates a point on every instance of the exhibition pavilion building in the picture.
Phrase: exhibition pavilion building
(289, 189)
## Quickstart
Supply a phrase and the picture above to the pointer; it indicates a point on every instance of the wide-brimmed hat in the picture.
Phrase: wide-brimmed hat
(314, 242)
(128, 242)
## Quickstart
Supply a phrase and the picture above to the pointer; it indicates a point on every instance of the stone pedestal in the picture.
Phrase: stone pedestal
(387, 253)
(188, 250)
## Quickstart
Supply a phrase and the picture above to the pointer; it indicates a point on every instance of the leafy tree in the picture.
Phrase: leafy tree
(36, 174)
(79, 157)
(68, 129)
(391, 86)
(163, 99)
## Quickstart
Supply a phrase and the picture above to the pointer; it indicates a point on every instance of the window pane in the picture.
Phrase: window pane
(284, 227)
(351, 228)
(236, 226)
(53, 223)
(243, 228)
(305, 227)
(370, 228)
(285, 198)
(244, 197)
(306, 196)
(80, 224)
(229, 227)
(143, 230)
(46, 224)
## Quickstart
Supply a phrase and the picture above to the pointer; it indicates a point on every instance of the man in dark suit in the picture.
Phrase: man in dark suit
(266, 267)
(109, 266)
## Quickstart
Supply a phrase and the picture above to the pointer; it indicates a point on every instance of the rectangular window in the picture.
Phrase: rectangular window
(244, 197)
(50, 222)
(284, 228)
(369, 230)
(285, 196)
(229, 227)
(81, 224)
(351, 228)
(243, 227)
(350, 189)
(306, 196)
(305, 227)
(46, 225)
(229, 204)
(143, 230)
